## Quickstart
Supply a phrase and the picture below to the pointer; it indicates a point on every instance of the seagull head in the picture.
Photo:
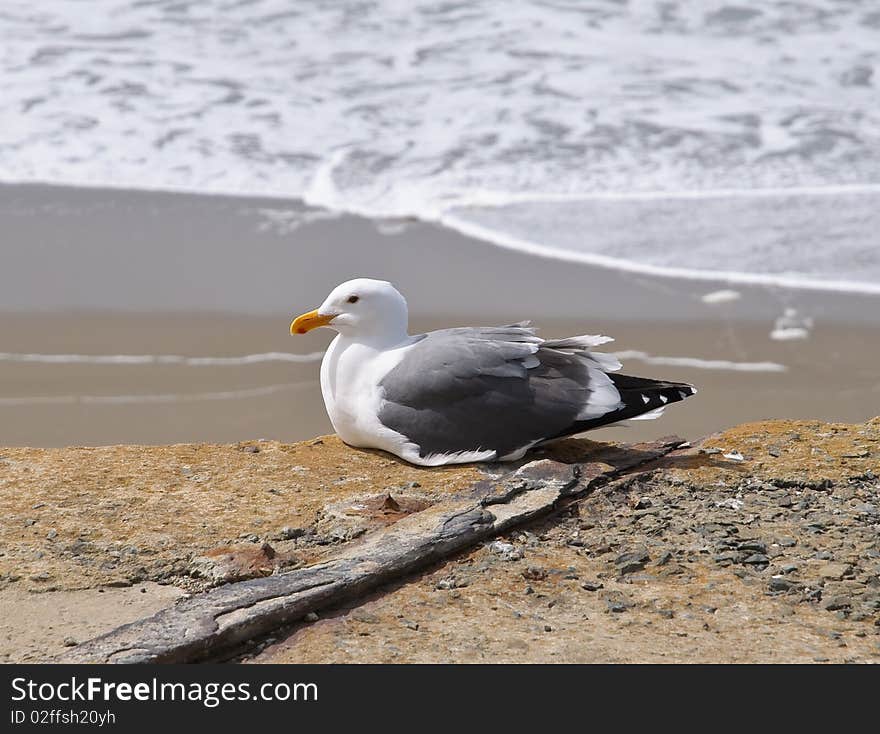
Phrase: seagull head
(362, 307)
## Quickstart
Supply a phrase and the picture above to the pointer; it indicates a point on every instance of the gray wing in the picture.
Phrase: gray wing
(494, 388)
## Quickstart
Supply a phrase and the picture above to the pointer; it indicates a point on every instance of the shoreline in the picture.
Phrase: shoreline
(832, 376)
(448, 220)
(452, 222)
(405, 246)
(112, 272)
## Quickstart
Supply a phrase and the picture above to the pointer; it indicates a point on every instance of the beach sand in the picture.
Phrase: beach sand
(107, 272)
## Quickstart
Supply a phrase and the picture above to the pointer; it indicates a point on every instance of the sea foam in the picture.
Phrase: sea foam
(528, 124)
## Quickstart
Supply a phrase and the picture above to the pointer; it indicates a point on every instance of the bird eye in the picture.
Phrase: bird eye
(353, 299)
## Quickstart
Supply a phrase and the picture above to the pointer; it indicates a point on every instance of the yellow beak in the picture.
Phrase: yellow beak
(309, 321)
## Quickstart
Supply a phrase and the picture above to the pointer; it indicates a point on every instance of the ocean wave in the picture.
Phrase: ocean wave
(702, 364)
(471, 112)
(249, 359)
(681, 250)
(146, 399)
(159, 359)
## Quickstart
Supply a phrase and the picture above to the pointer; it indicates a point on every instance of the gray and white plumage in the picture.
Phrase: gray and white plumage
(465, 394)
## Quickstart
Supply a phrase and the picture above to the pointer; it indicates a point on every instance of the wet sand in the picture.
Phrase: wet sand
(97, 272)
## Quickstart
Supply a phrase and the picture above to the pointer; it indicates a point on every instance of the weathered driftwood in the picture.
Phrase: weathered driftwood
(225, 617)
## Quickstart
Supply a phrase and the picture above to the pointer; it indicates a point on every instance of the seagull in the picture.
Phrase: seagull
(465, 394)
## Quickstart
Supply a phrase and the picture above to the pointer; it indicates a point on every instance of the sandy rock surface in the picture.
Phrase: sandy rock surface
(83, 517)
(82, 527)
(762, 544)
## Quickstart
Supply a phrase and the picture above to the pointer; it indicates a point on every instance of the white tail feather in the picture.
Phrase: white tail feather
(584, 341)
(650, 415)
(604, 396)
(606, 362)
(580, 346)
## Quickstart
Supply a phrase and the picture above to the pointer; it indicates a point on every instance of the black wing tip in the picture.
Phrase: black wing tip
(647, 398)
(639, 395)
